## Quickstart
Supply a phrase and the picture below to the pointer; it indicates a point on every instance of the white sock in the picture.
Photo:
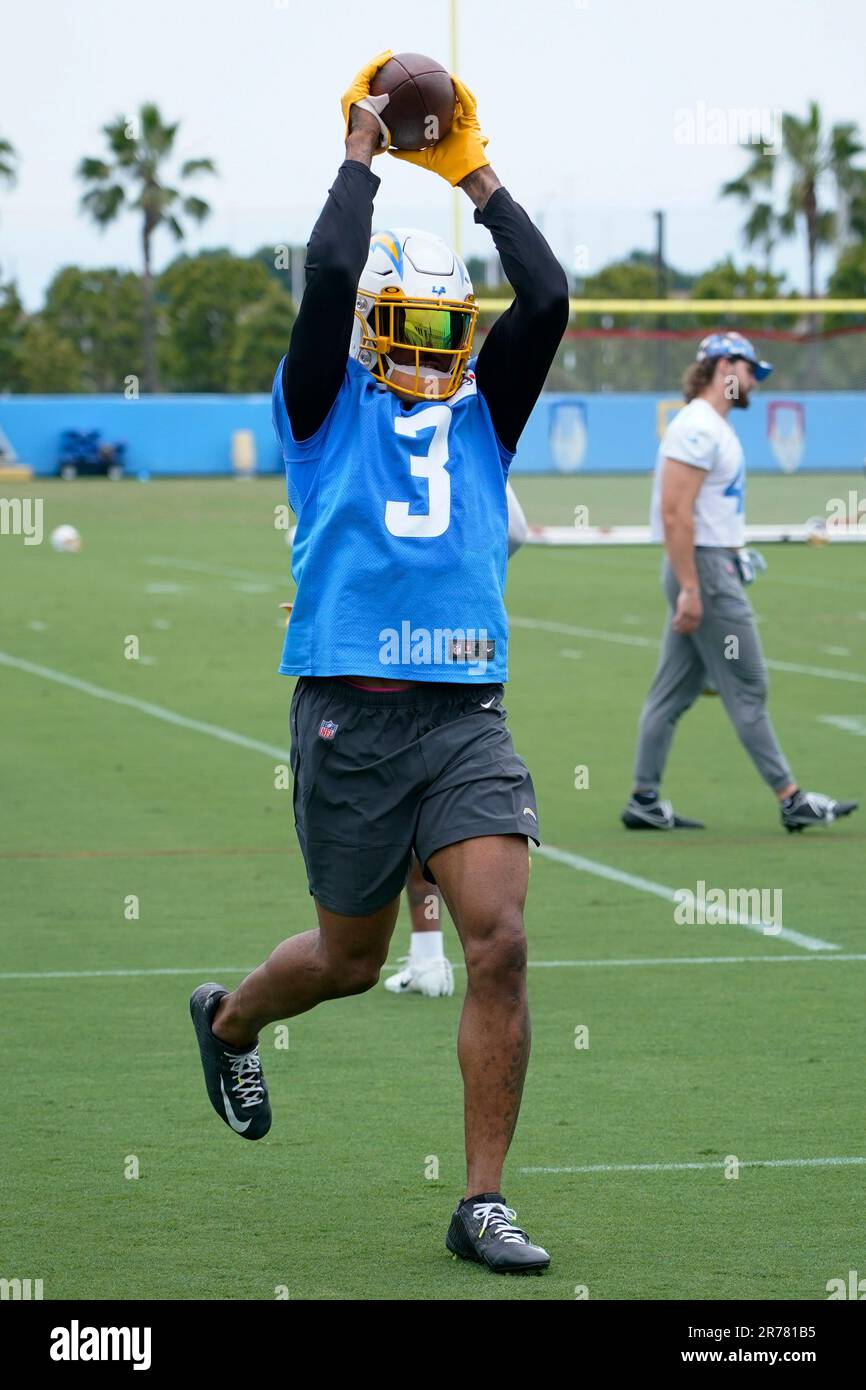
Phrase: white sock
(426, 945)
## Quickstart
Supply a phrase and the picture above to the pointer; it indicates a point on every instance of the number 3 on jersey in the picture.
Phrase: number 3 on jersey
(431, 465)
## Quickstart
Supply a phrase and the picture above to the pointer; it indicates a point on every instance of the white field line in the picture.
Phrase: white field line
(849, 723)
(229, 736)
(143, 707)
(209, 972)
(703, 1167)
(661, 890)
(626, 639)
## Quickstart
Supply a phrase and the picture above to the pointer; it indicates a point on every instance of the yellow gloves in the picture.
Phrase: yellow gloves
(358, 92)
(461, 151)
(457, 154)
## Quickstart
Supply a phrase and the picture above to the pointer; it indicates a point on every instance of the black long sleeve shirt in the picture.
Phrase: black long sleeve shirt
(516, 355)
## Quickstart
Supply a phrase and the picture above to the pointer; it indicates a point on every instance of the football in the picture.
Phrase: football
(421, 100)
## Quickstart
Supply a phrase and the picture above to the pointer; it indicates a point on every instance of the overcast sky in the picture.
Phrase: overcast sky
(598, 112)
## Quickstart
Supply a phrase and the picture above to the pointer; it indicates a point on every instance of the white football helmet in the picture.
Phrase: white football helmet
(415, 297)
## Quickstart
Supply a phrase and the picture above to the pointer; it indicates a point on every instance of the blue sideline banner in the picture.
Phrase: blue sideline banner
(603, 433)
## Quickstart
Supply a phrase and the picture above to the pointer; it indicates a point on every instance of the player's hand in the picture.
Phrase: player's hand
(689, 611)
(461, 151)
(358, 94)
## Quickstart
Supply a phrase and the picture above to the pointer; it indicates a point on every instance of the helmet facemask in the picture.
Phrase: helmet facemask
(428, 341)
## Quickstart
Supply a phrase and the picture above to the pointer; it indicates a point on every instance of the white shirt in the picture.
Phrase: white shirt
(700, 436)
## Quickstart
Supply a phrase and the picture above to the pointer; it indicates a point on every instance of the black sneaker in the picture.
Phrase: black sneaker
(481, 1230)
(234, 1079)
(658, 815)
(812, 808)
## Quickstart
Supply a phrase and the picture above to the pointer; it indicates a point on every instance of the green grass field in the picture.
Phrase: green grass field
(687, 1062)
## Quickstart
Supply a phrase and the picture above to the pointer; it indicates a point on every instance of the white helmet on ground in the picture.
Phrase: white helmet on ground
(415, 313)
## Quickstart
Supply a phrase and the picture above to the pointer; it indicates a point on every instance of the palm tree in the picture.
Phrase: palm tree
(132, 180)
(816, 162)
(8, 159)
(762, 225)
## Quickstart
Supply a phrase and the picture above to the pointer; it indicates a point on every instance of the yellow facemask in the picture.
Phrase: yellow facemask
(432, 339)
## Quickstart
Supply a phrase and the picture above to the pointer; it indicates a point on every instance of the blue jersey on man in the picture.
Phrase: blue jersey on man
(402, 539)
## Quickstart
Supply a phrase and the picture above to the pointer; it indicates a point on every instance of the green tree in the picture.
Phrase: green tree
(48, 364)
(813, 164)
(132, 179)
(678, 281)
(848, 280)
(203, 298)
(12, 324)
(726, 280)
(261, 338)
(101, 312)
(627, 279)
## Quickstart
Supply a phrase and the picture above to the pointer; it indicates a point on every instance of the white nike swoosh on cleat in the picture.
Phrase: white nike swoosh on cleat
(239, 1126)
(485, 704)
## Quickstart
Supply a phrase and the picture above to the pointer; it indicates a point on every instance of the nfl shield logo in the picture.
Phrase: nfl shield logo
(328, 728)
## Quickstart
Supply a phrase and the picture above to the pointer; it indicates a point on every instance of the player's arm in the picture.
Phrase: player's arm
(315, 364)
(517, 354)
(680, 485)
(513, 363)
(518, 528)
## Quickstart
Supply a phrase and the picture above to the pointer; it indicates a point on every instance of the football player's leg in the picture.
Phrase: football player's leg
(426, 970)
(730, 648)
(678, 681)
(484, 885)
(483, 882)
(342, 957)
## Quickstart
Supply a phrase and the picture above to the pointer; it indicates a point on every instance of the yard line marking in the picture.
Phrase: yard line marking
(626, 639)
(702, 1167)
(219, 851)
(201, 567)
(208, 971)
(144, 707)
(117, 974)
(824, 672)
(689, 960)
(661, 890)
(849, 723)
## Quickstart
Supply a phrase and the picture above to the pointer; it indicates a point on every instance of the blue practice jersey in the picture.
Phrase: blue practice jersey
(402, 538)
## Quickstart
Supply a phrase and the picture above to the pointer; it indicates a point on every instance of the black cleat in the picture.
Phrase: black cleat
(234, 1079)
(659, 815)
(812, 808)
(481, 1231)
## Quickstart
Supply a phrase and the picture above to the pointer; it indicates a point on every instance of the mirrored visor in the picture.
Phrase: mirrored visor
(444, 329)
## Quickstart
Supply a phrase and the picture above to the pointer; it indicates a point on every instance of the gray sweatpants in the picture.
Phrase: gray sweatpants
(725, 651)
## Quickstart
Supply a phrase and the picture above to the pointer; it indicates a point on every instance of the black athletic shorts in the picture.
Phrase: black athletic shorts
(379, 773)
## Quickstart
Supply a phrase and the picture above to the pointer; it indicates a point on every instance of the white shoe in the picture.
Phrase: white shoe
(433, 978)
